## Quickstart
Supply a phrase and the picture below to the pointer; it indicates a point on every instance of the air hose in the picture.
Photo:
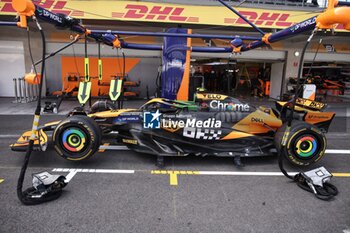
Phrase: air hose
(32, 195)
(158, 81)
(322, 189)
(123, 74)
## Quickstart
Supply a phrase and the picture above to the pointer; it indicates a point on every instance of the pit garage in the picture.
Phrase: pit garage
(153, 116)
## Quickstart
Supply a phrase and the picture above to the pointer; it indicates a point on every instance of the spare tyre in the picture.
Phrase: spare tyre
(77, 138)
(305, 143)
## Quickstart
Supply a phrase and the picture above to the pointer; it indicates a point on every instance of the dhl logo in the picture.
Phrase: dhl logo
(160, 13)
(144, 12)
(52, 5)
(281, 20)
(262, 19)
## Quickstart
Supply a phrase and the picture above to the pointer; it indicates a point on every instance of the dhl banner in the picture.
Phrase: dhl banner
(171, 13)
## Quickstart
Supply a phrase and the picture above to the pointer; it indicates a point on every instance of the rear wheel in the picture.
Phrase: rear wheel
(306, 144)
(77, 138)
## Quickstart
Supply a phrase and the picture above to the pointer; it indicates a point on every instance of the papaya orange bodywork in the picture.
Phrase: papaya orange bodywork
(235, 135)
(110, 113)
(318, 117)
(255, 123)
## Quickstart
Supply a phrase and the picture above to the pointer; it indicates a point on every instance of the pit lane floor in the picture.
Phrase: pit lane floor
(122, 191)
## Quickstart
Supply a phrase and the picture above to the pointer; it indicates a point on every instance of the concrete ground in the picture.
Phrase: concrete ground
(123, 191)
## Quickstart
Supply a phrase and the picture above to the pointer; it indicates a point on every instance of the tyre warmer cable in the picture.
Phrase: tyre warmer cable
(327, 191)
(123, 74)
(30, 52)
(159, 79)
(32, 196)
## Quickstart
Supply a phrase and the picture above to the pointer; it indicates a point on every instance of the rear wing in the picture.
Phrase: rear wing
(310, 104)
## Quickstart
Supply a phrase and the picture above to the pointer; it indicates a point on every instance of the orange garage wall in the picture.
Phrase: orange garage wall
(111, 67)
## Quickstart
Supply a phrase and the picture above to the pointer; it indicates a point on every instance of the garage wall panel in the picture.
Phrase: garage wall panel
(328, 57)
(54, 73)
(277, 70)
(11, 66)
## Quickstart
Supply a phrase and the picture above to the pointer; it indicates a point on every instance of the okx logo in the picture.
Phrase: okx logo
(151, 120)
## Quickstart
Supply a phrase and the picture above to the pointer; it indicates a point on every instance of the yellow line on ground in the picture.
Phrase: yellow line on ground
(173, 175)
(173, 179)
(165, 172)
(341, 174)
(103, 150)
(1, 180)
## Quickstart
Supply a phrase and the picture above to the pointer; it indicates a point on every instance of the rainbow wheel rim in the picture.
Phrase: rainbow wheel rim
(306, 146)
(73, 139)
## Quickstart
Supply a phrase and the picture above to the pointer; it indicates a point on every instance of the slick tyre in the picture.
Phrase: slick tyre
(77, 138)
(305, 144)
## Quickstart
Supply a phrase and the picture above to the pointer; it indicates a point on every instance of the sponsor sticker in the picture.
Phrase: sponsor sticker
(257, 120)
(129, 117)
(194, 123)
(207, 129)
(130, 141)
(310, 103)
(202, 133)
(151, 120)
(218, 105)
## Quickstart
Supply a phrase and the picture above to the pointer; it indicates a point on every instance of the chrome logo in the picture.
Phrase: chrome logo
(218, 105)
(73, 139)
(230, 107)
(306, 146)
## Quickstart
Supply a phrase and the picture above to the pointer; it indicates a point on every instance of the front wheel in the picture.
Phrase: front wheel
(305, 144)
(77, 138)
